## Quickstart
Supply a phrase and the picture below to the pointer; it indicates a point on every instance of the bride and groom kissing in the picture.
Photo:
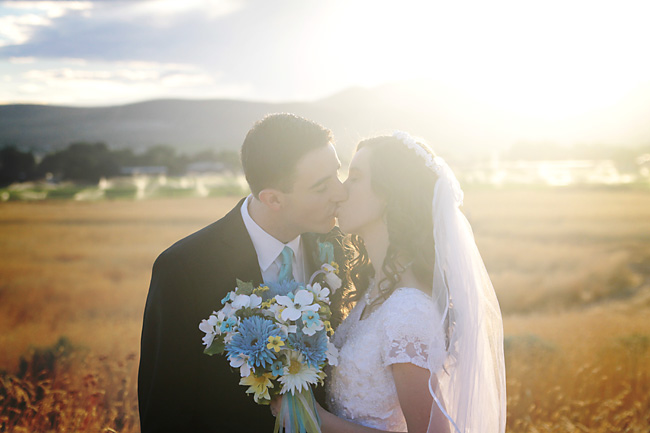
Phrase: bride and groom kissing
(419, 332)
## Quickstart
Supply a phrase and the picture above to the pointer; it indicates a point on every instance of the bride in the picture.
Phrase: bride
(422, 348)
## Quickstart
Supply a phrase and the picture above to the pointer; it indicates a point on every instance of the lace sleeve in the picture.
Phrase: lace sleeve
(411, 330)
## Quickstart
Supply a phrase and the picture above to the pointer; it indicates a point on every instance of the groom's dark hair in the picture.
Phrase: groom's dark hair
(273, 147)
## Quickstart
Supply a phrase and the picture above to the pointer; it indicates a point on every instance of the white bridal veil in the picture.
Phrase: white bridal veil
(470, 390)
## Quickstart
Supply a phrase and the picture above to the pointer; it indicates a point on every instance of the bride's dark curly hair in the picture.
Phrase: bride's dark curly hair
(400, 177)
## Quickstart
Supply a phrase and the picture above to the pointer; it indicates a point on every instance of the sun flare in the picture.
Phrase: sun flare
(550, 60)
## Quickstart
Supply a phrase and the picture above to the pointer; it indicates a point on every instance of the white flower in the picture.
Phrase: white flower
(312, 322)
(256, 301)
(287, 329)
(231, 330)
(228, 310)
(246, 301)
(277, 309)
(303, 301)
(332, 354)
(429, 160)
(312, 329)
(405, 138)
(241, 361)
(321, 293)
(209, 326)
(332, 280)
(241, 301)
(297, 375)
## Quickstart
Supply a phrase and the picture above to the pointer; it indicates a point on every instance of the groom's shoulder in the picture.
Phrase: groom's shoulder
(207, 238)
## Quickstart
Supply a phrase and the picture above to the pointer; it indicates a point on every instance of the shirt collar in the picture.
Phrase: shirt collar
(266, 246)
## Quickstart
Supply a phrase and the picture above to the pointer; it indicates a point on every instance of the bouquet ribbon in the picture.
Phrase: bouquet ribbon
(298, 413)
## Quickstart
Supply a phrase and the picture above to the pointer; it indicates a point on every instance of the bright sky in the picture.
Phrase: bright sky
(542, 59)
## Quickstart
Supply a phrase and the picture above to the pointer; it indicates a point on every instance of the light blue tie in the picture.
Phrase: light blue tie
(286, 269)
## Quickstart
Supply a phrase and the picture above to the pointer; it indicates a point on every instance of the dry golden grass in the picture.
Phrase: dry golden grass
(550, 249)
(571, 269)
(80, 270)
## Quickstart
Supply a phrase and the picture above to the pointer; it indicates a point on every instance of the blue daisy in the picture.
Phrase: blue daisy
(313, 347)
(282, 288)
(251, 339)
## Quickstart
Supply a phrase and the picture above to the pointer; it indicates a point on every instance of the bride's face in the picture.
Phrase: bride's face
(363, 210)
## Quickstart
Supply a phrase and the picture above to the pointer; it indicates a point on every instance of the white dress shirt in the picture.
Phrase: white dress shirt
(269, 249)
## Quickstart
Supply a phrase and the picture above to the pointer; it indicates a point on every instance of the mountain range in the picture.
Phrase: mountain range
(454, 123)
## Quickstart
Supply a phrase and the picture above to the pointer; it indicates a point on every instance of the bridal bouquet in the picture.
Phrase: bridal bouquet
(277, 335)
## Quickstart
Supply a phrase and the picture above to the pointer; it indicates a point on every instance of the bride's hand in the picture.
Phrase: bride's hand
(276, 404)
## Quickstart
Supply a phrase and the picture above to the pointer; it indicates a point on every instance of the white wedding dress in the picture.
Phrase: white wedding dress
(361, 388)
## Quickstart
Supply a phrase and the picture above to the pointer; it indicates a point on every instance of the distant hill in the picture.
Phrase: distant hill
(452, 122)
(187, 125)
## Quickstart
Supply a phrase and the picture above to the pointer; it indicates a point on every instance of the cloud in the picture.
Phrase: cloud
(51, 9)
(155, 30)
(18, 29)
(294, 49)
(166, 10)
(169, 75)
(76, 82)
(22, 19)
(22, 60)
(103, 52)
(258, 44)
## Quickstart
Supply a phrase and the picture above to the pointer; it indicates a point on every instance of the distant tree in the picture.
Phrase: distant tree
(204, 155)
(88, 162)
(16, 166)
(125, 157)
(159, 155)
(163, 155)
(230, 159)
(81, 162)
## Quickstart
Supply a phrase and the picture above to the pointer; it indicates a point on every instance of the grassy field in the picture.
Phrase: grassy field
(571, 269)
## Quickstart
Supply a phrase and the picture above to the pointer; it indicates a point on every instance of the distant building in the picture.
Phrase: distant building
(205, 167)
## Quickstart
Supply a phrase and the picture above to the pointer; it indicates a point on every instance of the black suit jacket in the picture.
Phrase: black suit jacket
(180, 389)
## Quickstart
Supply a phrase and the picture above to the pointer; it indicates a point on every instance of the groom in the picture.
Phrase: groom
(291, 167)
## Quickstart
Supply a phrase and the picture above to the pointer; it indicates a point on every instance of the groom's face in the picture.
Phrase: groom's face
(312, 204)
